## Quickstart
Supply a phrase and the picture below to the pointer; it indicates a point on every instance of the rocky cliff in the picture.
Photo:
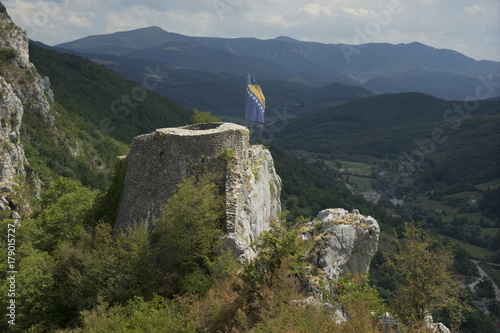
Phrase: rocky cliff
(22, 90)
(157, 162)
(343, 243)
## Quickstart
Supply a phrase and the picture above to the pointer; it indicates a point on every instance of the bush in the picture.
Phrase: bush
(280, 308)
(203, 117)
(221, 308)
(100, 265)
(3, 10)
(188, 233)
(7, 54)
(279, 243)
(157, 315)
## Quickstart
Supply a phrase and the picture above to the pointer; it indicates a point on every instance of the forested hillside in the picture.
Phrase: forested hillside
(119, 107)
(222, 93)
(465, 144)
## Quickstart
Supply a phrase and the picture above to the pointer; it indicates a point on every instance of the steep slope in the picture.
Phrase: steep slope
(119, 107)
(54, 141)
(22, 91)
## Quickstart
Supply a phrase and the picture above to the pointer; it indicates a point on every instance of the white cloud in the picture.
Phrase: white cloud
(472, 10)
(357, 13)
(315, 10)
(79, 21)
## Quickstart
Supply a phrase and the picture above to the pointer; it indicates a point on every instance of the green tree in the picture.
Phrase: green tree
(66, 206)
(157, 315)
(422, 270)
(203, 117)
(188, 233)
(100, 264)
(484, 289)
(34, 290)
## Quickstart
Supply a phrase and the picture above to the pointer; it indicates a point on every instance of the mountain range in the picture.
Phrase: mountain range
(218, 65)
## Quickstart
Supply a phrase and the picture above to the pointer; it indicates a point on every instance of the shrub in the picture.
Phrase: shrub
(279, 306)
(187, 234)
(7, 54)
(227, 154)
(221, 308)
(3, 10)
(158, 315)
(275, 245)
(203, 117)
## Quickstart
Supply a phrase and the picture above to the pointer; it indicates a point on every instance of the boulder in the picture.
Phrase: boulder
(343, 243)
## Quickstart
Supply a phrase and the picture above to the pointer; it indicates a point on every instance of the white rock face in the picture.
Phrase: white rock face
(344, 243)
(27, 84)
(435, 327)
(20, 86)
(12, 159)
(256, 187)
(15, 38)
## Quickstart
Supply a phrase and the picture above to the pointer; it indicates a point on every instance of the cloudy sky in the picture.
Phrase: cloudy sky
(471, 27)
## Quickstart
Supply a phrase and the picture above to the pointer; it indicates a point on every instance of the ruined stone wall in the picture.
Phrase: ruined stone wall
(157, 162)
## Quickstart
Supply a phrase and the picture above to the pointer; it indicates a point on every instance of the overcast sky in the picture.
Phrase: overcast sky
(471, 27)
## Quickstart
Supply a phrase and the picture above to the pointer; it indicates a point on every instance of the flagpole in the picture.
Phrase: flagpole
(246, 96)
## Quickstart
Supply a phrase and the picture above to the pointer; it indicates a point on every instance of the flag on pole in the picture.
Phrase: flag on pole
(256, 102)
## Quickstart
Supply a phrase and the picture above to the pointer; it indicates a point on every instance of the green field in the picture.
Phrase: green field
(464, 195)
(489, 231)
(433, 204)
(491, 184)
(475, 217)
(476, 252)
(361, 183)
(356, 168)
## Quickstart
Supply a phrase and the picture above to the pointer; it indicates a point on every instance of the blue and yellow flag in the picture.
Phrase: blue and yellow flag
(256, 102)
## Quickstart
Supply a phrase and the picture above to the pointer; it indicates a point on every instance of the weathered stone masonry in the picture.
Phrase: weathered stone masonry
(157, 162)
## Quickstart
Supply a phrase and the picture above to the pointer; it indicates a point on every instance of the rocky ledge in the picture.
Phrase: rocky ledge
(343, 243)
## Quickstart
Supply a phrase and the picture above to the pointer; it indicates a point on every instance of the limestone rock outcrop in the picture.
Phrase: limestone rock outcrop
(22, 89)
(157, 162)
(20, 73)
(12, 158)
(343, 243)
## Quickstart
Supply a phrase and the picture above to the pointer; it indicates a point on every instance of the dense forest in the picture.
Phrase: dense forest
(77, 274)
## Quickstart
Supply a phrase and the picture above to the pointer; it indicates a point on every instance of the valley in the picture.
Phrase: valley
(394, 135)
(417, 156)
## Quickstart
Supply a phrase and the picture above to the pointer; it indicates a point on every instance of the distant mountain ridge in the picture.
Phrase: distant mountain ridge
(395, 68)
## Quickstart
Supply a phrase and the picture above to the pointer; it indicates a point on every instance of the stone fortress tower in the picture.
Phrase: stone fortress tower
(157, 162)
